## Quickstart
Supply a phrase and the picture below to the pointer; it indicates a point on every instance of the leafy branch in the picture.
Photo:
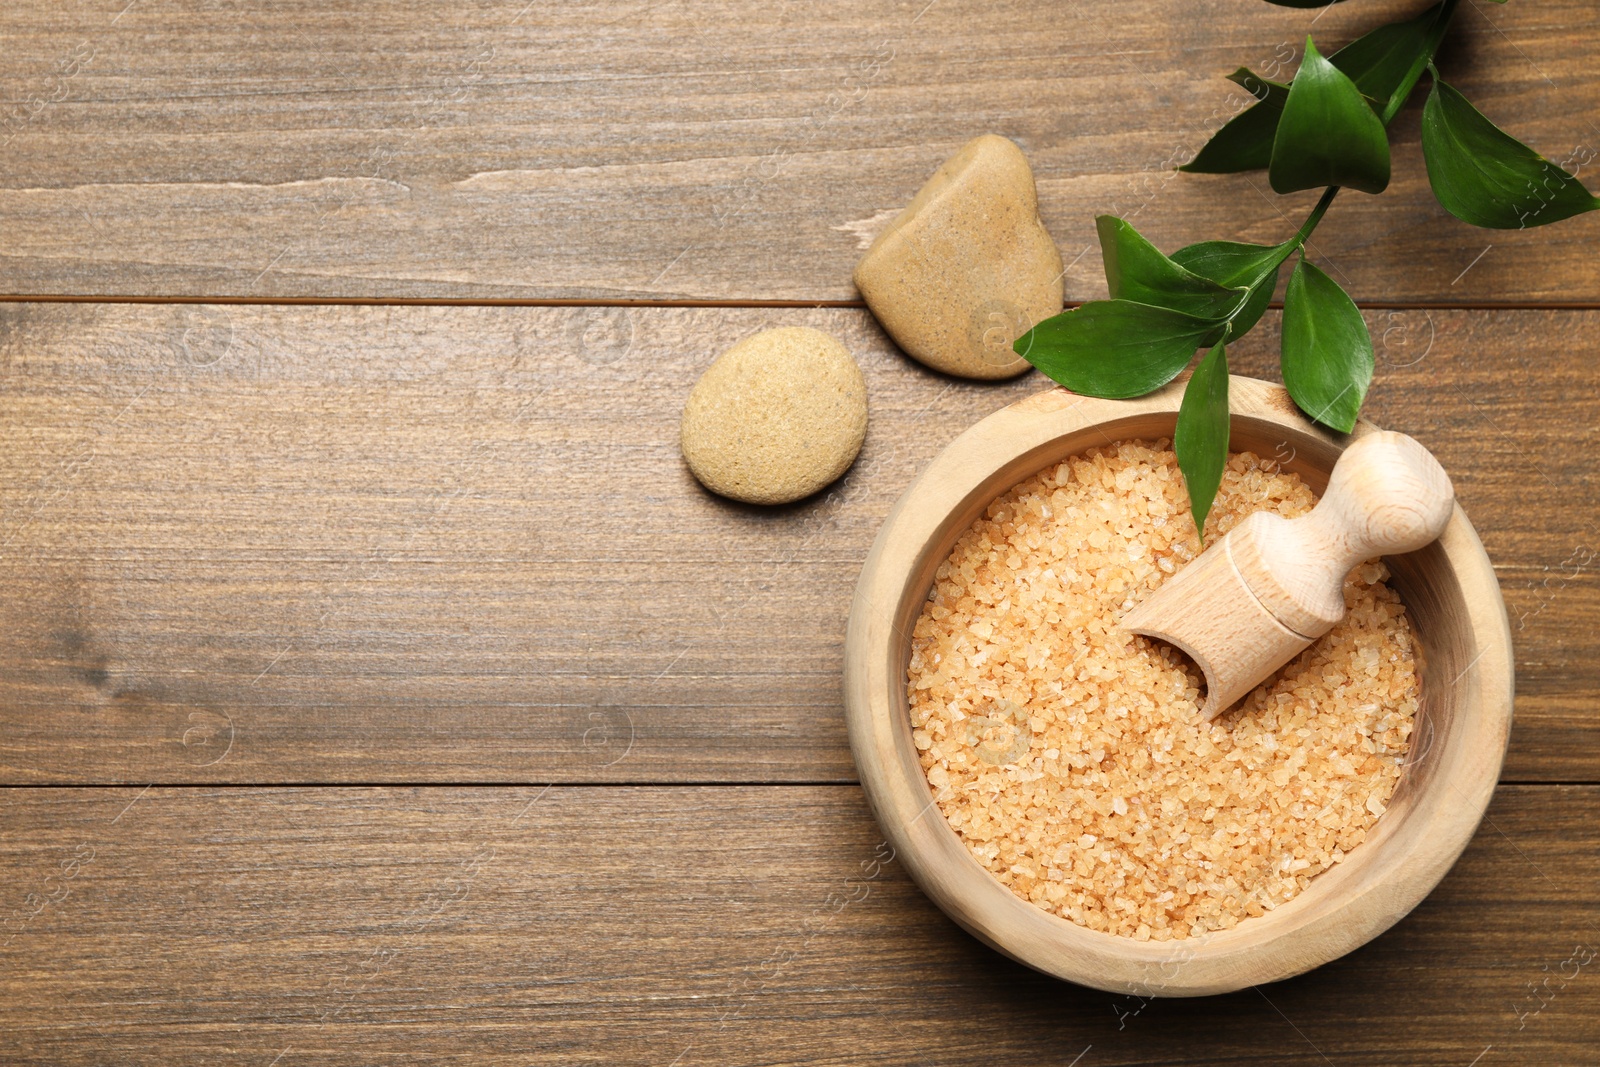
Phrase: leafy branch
(1328, 129)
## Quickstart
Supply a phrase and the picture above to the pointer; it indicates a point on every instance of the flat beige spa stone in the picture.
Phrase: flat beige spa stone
(967, 267)
(776, 417)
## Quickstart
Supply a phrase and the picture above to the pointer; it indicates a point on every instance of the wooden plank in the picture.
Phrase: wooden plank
(1476, 389)
(662, 925)
(424, 544)
(732, 150)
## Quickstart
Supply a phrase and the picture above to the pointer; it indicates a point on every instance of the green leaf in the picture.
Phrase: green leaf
(1201, 440)
(1114, 348)
(1232, 264)
(1484, 176)
(1383, 62)
(1380, 63)
(1328, 134)
(1270, 93)
(1245, 141)
(1327, 351)
(1137, 271)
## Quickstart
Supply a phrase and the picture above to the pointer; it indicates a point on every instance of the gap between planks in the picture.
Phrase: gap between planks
(836, 783)
(841, 783)
(555, 302)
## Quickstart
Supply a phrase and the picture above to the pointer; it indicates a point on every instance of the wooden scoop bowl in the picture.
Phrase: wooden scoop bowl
(1258, 597)
(1458, 625)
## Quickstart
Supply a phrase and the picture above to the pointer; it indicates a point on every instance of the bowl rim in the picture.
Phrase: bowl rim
(1377, 885)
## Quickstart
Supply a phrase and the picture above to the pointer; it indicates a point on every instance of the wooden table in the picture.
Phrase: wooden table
(376, 686)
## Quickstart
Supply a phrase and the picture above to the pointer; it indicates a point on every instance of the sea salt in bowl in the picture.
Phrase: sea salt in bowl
(1463, 722)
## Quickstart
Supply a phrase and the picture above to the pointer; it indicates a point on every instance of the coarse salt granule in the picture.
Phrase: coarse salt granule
(1069, 755)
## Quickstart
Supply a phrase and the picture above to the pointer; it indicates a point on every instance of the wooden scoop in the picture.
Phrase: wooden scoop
(1255, 599)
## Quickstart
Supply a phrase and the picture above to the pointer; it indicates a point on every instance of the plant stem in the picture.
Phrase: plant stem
(1288, 248)
(1436, 33)
(1312, 219)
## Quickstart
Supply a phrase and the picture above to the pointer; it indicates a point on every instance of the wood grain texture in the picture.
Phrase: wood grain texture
(720, 925)
(361, 544)
(704, 150)
(418, 544)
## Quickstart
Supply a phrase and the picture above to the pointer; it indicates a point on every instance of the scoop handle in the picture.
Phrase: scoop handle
(1387, 495)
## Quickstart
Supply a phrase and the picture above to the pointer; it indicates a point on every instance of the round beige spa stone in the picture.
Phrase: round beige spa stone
(776, 417)
(967, 267)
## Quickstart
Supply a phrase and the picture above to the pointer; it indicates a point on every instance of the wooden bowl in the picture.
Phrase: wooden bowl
(1464, 720)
